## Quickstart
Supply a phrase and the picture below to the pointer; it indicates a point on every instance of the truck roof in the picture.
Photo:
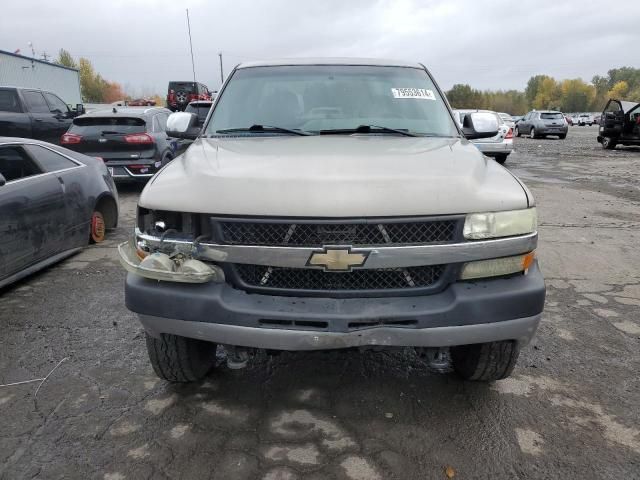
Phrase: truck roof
(378, 62)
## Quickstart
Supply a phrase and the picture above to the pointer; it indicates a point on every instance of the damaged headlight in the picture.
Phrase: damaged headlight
(160, 266)
(478, 226)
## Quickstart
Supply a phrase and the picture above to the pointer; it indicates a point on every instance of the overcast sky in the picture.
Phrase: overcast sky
(143, 44)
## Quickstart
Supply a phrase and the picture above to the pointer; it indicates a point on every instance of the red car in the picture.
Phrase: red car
(142, 102)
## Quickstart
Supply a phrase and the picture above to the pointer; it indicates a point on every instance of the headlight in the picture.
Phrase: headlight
(478, 226)
(497, 267)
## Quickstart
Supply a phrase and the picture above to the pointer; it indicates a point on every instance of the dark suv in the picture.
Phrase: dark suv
(180, 94)
(133, 142)
(619, 124)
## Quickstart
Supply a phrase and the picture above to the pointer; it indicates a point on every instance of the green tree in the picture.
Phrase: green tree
(91, 84)
(576, 95)
(601, 84)
(619, 90)
(548, 96)
(533, 87)
(463, 96)
(65, 59)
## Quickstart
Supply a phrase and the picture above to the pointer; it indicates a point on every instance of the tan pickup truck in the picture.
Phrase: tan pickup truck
(334, 203)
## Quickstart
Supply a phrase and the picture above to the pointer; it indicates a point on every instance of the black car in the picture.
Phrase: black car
(619, 124)
(33, 113)
(52, 203)
(132, 141)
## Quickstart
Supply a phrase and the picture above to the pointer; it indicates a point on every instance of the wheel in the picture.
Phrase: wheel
(532, 133)
(562, 137)
(180, 359)
(97, 228)
(517, 131)
(501, 158)
(485, 362)
(608, 143)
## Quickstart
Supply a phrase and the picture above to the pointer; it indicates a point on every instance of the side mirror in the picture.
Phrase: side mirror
(2, 180)
(480, 125)
(183, 125)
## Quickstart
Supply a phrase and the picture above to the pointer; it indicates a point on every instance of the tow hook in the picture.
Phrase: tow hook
(237, 357)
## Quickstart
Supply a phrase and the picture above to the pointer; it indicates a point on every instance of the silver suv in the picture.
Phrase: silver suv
(331, 203)
(540, 124)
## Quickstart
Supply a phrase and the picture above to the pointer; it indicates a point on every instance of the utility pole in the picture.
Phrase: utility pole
(221, 73)
(193, 65)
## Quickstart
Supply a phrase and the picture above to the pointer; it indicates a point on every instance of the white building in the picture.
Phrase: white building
(20, 71)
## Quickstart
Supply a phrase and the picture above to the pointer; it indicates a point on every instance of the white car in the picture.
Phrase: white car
(585, 119)
(498, 147)
(507, 119)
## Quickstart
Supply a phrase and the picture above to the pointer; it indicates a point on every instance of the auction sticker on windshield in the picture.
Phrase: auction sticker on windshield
(420, 93)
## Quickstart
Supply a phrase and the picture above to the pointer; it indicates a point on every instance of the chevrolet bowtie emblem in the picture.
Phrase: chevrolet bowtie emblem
(337, 259)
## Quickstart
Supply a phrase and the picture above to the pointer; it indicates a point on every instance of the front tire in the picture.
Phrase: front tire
(180, 359)
(517, 132)
(501, 159)
(532, 133)
(608, 143)
(562, 137)
(485, 362)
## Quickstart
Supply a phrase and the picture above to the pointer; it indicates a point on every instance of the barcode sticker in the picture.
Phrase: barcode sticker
(419, 93)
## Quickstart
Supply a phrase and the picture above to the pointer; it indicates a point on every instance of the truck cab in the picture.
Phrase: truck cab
(328, 204)
(32, 113)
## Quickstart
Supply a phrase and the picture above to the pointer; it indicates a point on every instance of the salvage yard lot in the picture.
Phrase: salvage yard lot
(571, 408)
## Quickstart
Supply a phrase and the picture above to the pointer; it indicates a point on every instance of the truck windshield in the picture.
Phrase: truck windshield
(331, 99)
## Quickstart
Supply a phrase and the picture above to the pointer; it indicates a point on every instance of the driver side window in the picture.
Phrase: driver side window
(55, 104)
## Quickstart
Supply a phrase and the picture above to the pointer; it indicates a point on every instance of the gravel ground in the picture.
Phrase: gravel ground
(571, 409)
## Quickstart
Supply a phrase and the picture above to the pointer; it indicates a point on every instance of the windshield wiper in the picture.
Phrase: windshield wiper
(367, 129)
(264, 128)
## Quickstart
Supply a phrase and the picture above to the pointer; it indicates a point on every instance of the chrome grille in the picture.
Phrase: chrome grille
(354, 234)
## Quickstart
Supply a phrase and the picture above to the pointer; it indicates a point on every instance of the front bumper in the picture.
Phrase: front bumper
(464, 313)
(495, 148)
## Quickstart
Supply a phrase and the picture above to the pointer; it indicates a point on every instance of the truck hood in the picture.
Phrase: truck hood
(333, 176)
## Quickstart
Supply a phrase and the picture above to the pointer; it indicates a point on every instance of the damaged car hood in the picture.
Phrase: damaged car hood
(333, 176)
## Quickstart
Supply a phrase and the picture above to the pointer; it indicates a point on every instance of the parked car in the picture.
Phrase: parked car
(619, 124)
(585, 119)
(132, 141)
(180, 94)
(201, 108)
(499, 146)
(32, 113)
(540, 124)
(141, 102)
(507, 119)
(52, 203)
(332, 203)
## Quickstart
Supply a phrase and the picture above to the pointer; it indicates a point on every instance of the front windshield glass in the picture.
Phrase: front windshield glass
(329, 99)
